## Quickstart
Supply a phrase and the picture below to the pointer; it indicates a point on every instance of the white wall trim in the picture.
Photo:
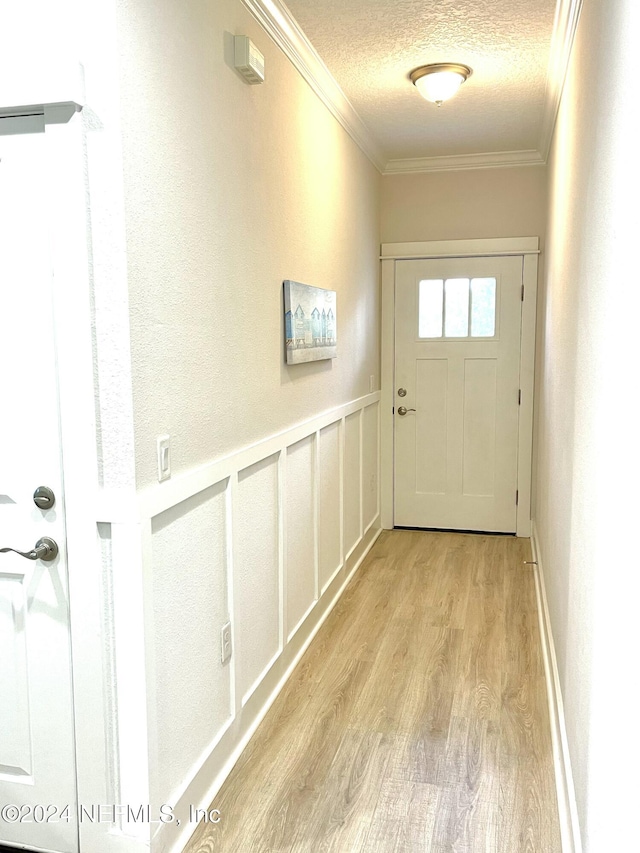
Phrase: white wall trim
(229, 744)
(131, 662)
(248, 706)
(528, 248)
(460, 162)
(36, 86)
(285, 31)
(124, 506)
(97, 748)
(130, 518)
(281, 26)
(567, 808)
(565, 24)
(283, 627)
(564, 30)
(387, 382)
(34, 117)
(460, 248)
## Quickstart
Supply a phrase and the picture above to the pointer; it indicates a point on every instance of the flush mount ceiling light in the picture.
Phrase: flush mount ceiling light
(440, 81)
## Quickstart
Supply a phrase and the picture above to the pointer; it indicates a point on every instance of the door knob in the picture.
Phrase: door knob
(45, 549)
(402, 410)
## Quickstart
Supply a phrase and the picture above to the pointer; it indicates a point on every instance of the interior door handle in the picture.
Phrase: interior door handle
(402, 410)
(45, 549)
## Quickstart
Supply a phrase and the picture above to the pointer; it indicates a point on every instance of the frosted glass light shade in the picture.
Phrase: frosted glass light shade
(440, 86)
(439, 82)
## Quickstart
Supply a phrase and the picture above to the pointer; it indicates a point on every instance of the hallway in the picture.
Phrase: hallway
(416, 721)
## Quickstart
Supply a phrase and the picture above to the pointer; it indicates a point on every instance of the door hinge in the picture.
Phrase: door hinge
(522, 294)
(519, 397)
(516, 497)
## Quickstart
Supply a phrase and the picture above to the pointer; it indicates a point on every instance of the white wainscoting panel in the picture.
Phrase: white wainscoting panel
(352, 482)
(330, 504)
(268, 538)
(189, 607)
(370, 465)
(110, 694)
(256, 573)
(300, 532)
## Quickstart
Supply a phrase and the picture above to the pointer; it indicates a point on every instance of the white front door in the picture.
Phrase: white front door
(456, 395)
(37, 763)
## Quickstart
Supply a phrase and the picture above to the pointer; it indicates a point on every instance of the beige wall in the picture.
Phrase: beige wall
(474, 203)
(229, 190)
(588, 460)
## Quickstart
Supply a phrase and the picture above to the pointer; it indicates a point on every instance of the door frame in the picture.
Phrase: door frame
(391, 253)
(107, 622)
(100, 774)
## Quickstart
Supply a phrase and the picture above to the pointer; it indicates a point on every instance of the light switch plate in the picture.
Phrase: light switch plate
(164, 457)
(225, 642)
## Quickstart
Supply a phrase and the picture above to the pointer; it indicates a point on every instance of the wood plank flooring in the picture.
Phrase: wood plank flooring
(416, 721)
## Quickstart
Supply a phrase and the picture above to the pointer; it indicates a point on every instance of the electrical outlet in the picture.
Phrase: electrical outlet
(225, 642)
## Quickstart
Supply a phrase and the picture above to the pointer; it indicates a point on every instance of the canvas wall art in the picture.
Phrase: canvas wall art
(309, 322)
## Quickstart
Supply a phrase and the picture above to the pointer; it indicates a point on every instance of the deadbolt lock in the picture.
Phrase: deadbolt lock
(43, 497)
(402, 392)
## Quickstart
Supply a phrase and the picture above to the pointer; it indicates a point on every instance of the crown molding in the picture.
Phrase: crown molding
(564, 31)
(279, 23)
(489, 160)
(281, 26)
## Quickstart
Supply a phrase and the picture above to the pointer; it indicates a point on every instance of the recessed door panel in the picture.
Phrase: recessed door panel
(479, 430)
(15, 736)
(431, 426)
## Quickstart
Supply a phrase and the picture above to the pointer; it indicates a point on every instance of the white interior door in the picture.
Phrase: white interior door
(37, 764)
(457, 369)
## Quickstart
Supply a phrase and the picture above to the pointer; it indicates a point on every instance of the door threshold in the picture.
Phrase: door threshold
(455, 530)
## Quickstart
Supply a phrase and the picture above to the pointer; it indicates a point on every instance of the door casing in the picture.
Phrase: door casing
(528, 249)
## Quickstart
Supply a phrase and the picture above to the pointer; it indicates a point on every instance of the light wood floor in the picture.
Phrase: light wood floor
(416, 721)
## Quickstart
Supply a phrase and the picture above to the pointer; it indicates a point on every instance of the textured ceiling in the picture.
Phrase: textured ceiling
(370, 46)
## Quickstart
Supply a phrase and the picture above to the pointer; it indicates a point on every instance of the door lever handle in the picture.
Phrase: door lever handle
(45, 549)
(402, 410)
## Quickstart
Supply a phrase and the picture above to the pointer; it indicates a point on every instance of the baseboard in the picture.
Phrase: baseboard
(567, 809)
(224, 753)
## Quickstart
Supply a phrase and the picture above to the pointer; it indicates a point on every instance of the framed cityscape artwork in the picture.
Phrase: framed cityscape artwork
(310, 329)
